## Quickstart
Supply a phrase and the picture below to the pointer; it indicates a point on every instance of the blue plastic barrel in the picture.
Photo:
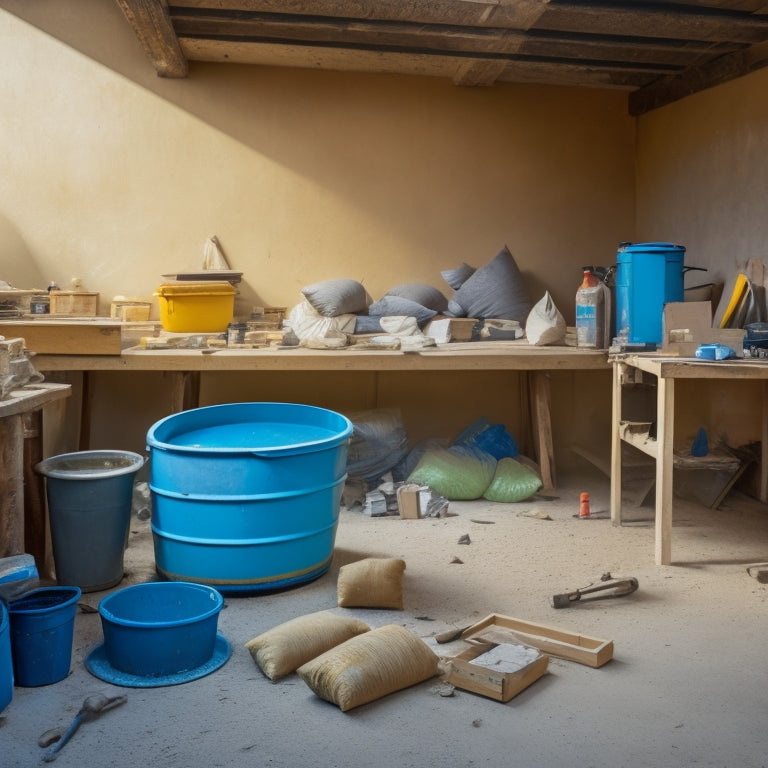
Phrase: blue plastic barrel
(6, 660)
(246, 496)
(648, 276)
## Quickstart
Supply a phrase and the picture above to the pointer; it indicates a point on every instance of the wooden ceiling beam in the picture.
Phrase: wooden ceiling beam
(695, 79)
(660, 20)
(151, 23)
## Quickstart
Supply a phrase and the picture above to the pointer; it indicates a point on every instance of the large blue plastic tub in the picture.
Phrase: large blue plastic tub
(648, 276)
(246, 496)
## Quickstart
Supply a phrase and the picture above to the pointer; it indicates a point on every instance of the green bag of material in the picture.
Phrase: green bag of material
(458, 473)
(512, 481)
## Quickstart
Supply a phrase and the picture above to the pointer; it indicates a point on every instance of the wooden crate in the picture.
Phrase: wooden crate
(556, 642)
(74, 303)
(495, 684)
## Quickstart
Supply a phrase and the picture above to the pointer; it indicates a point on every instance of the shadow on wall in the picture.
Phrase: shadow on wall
(17, 267)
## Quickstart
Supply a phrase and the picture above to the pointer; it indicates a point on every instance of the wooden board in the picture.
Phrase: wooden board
(555, 642)
(66, 337)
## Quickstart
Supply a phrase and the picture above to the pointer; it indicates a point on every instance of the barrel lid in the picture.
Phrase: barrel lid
(195, 288)
(654, 247)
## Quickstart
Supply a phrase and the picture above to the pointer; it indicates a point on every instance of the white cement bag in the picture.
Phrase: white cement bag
(545, 325)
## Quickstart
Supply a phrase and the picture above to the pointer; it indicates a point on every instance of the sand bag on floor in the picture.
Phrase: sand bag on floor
(376, 582)
(370, 666)
(282, 649)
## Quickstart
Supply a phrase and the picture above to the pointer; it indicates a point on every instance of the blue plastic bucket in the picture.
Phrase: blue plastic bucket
(246, 496)
(42, 630)
(89, 503)
(160, 628)
(6, 659)
(648, 276)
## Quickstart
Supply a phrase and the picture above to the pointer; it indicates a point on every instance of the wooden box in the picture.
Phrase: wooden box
(556, 642)
(493, 683)
(74, 303)
(408, 501)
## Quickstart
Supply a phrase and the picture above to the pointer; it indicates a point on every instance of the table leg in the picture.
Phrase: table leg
(665, 412)
(185, 390)
(541, 415)
(618, 369)
(11, 485)
(764, 448)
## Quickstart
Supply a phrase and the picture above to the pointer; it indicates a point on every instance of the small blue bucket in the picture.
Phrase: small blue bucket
(648, 276)
(6, 660)
(160, 628)
(246, 496)
(42, 630)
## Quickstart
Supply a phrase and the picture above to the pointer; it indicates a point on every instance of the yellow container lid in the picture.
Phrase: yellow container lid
(195, 288)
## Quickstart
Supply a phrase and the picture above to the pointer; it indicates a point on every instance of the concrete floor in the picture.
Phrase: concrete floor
(686, 686)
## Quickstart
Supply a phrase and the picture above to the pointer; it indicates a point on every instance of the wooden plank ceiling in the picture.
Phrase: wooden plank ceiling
(657, 51)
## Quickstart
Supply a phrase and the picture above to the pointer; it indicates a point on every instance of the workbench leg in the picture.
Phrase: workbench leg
(618, 370)
(665, 415)
(35, 527)
(185, 390)
(541, 414)
(11, 486)
(764, 448)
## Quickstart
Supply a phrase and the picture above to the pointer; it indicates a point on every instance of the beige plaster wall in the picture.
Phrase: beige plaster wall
(115, 176)
(702, 181)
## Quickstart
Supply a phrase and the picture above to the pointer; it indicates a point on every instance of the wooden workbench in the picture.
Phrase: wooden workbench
(186, 365)
(667, 370)
(22, 516)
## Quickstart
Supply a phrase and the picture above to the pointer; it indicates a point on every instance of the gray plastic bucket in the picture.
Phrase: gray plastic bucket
(89, 504)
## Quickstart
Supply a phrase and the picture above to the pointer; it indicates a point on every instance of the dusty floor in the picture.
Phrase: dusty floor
(686, 686)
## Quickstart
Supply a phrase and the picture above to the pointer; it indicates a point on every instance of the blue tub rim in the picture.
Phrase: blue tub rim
(34, 602)
(160, 586)
(153, 442)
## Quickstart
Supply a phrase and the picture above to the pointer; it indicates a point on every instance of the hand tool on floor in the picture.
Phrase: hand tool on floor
(606, 587)
(92, 707)
(759, 571)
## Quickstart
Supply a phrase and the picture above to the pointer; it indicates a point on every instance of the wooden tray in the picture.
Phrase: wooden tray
(556, 642)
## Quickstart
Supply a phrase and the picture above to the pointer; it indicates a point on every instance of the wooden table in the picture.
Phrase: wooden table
(186, 365)
(667, 371)
(22, 516)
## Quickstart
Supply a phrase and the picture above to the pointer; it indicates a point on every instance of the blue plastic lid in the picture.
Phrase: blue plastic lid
(652, 247)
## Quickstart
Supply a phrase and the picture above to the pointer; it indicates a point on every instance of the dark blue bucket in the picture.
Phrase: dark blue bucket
(246, 496)
(42, 630)
(6, 660)
(648, 276)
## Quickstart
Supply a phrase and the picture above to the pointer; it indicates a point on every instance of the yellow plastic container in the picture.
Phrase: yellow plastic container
(196, 307)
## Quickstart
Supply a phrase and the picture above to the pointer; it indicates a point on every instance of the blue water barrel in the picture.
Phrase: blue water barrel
(246, 496)
(648, 276)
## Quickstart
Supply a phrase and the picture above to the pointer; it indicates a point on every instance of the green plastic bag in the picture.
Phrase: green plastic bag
(512, 481)
(457, 473)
